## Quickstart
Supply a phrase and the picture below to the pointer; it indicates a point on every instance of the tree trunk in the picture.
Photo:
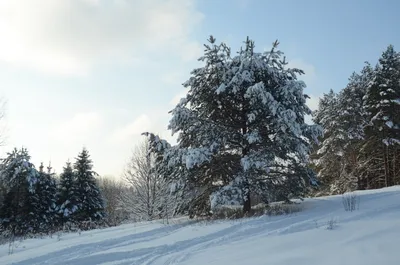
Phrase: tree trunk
(245, 152)
(396, 178)
(246, 189)
(247, 201)
(386, 162)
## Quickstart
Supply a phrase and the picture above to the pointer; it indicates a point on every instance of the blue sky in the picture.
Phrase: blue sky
(97, 73)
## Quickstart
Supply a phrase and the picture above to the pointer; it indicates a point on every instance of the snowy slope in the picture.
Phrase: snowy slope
(370, 235)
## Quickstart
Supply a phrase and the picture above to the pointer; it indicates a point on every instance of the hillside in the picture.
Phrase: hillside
(369, 235)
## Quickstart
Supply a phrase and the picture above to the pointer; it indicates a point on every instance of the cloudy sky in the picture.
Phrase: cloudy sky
(97, 73)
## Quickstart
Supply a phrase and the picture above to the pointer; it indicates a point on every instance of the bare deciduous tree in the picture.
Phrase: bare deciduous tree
(148, 196)
(112, 191)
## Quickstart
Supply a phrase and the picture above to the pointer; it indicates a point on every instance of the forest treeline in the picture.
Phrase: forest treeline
(360, 148)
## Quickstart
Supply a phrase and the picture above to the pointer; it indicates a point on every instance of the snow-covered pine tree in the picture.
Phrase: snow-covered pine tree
(241, 126)
(382, 104)
(343, 118)
(352, 123)
(328, 155)
(19, 177)
(45, 201)
(351, 100)
(2, 193)
(90, 202)
(67, 195)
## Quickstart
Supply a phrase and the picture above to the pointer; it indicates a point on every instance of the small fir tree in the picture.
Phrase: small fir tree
(19, 178)
(67, 198)
(89, 200)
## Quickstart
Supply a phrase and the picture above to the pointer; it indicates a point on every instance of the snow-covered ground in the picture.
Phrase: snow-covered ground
(370, 235)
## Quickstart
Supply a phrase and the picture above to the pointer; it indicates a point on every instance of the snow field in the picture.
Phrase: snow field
(370, 235)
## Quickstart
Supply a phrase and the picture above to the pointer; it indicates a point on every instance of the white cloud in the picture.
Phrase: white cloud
(175, 100)
(131, 130)
(69, 36)
(243, 4)
(173, 78)
(122, 139)
(310, 76)
(78, 128)
(191, 51)
(155, 122)
(313, 102)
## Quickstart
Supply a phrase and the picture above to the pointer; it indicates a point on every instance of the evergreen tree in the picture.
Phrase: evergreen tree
(343, 118)
(328, 154)
(241, 127)
(45, 200)
(360, 147)
(382, 104)
(353, 120)
(19, 177)
(67, 195)
(90, 202)
(2, 192)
